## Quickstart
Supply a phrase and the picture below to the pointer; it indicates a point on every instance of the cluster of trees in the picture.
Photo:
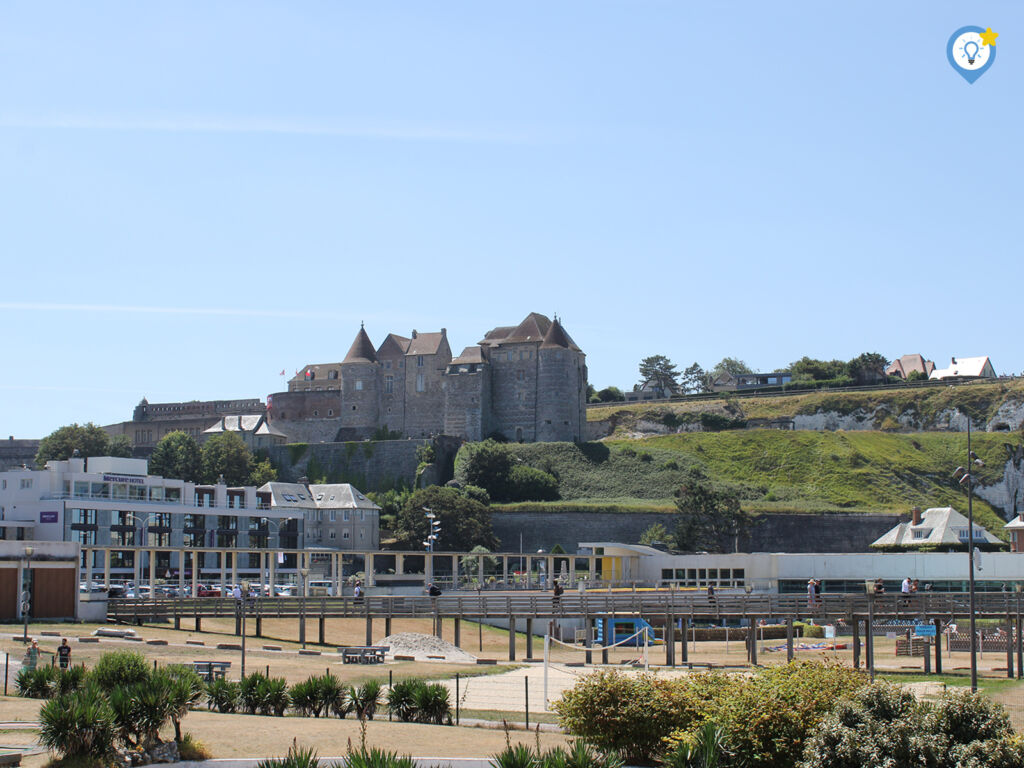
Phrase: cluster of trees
(88, 439)
(659, 372)
(710, 519)
(177, 455)
(225, 455)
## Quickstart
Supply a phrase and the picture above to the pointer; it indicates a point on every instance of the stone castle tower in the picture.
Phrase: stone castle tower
(526, 383)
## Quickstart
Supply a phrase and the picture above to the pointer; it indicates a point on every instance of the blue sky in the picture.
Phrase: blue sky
(196, 195)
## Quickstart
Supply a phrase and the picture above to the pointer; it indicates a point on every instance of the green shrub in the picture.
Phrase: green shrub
(69, 680)
(222, 695)
(303, 696)
(476, 493)
(274, 698)
(330, 696)
(365, 699)
(250, 693)
(38, 683)
(297, 757)
(518, 756)
(402, 699)
(191, 749)
(432, 704)
(378, 758)
(185, 691)
(531, 484)
(119, 669)
(645, 456)
(78, 725)
(708, 747)
(810, 630)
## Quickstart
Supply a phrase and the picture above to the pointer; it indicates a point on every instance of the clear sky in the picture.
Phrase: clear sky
(197, 195)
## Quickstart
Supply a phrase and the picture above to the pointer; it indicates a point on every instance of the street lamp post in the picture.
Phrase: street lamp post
(243, 607)
(304, 572)
(26, 593)
(964, 476)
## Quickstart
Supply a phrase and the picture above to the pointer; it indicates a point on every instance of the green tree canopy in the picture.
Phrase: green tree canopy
(731, 366)
(87, 439)
(177, 455)
(465, 523)
(609, 395)
(710, 517)
(656, 533)
(868, 368)
(661, 372)
(695, 379)
(262, 472)
(225, 454)
(121, 447)
(809, 369)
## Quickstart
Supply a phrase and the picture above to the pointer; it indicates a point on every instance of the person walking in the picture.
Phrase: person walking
(556, 595)
(64, 653)
(357, 593)
(811, 597)
(32, 656)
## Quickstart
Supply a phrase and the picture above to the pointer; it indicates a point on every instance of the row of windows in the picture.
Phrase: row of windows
(317, 515)
(702, 577)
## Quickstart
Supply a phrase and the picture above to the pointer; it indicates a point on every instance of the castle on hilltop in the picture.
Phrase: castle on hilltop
(525, 383)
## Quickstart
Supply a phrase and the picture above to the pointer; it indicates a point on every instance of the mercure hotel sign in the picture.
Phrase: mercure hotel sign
(133, 479)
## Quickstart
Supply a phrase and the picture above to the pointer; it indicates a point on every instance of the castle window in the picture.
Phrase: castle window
(520, 375)
(510, 354)
(389, 384)
(387, 365)
(330, 413)
(419, 361)
(359, 385)
(421, 384)
(401, 363)
(353, 407)
(332, 374)
(316, 413)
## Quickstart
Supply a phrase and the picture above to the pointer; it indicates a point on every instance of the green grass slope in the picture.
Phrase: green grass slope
(778, 471)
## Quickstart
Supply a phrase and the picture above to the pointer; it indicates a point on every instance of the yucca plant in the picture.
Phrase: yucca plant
(377, 758)
(154, 707)
(432, 705)
(365, 699)
(125, 709)
(250, 692)
(274, 699)
(297, 757)
(69, 680)
(222, 695)
(78, 725)
(186, 691)
(303, 696)
(582, 755)
(38, 683)
(707, 749)
(402, 699)
(328, 691)
(517, 756)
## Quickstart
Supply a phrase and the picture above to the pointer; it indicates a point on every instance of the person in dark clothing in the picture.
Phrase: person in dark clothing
(64, 654)
(556, 595)
(433, 590)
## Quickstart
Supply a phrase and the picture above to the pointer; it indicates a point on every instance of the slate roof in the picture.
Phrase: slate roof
(939, 525)
(557, 338)
(256, 424)
(469, 355)
(393, 344)
(907, 364)
(425, 343)
(361, 350)
(332, 496)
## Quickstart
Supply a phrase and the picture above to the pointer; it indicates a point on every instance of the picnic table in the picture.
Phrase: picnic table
(364, 654)
(211, 670)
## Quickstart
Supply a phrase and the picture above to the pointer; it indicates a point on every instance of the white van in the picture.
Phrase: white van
(321, 588)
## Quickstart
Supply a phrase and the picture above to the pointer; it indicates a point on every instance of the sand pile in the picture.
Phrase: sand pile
(421, 647)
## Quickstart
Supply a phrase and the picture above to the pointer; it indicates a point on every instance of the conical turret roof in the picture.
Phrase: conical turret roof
(557, 338)
(361, 350)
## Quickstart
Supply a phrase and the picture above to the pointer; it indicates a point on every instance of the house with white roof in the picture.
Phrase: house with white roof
(938, 527)
(965, 368)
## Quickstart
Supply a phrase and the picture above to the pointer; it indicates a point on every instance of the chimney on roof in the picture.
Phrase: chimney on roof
(444, 331)
(915, 516)
(953, 359)
(414, 333)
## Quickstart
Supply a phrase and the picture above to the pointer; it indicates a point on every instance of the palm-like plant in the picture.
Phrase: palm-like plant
(707, 749)
(186, 691)
(432, 705)
(38, 683)
(222, 695)
(274, 697)
(78, 725)
(303, 696)
(365, 699)
(154, 707)
(297, 757)
(328, 692)
(377, 758)
(402, 699)
(250, 692)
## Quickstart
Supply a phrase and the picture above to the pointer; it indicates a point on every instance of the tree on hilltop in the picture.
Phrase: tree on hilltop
(696, 379)
(61, 444)
(465, 522)
(225, 455)
(709, 516)
(868, 368)
(177, 455)
(660, 372)
(730, 365)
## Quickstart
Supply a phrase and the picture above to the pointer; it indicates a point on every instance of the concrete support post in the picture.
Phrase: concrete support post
(106, 569)
(399, 565)
(272, 572)
(529, 638)
(181, 572)
(588, 637)
(322, 629)
(438, 627)
(458, 632)
(234, 567)
(670, 640)
(387, 626)
(684, 648)
(592, 563)
(752, 640)
(369, 570)
(197, 558)
(856, 643)
(529, 572)
(152, 571)
(504, 570)
(938, 646)
(789, 639)
(259, 621)
(511, 637)
(455, 571)
(369, 629)
(480, 571)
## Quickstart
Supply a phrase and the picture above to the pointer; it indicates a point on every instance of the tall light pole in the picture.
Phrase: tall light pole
(243, 607)
(964, 476)
(26, 593)
(302, 622)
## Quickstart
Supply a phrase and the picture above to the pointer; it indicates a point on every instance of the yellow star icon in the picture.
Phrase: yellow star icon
(988, 37)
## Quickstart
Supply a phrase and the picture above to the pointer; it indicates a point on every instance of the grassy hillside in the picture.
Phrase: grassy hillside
(777, 470)
(982, 400)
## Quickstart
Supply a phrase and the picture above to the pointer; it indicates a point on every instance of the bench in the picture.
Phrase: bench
(211, 670)
(364, 654)
(12, 759)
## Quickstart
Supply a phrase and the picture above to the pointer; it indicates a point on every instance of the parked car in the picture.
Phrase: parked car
(203, 590)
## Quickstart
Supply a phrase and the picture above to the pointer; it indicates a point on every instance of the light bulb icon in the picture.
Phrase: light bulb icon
(971, 55)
